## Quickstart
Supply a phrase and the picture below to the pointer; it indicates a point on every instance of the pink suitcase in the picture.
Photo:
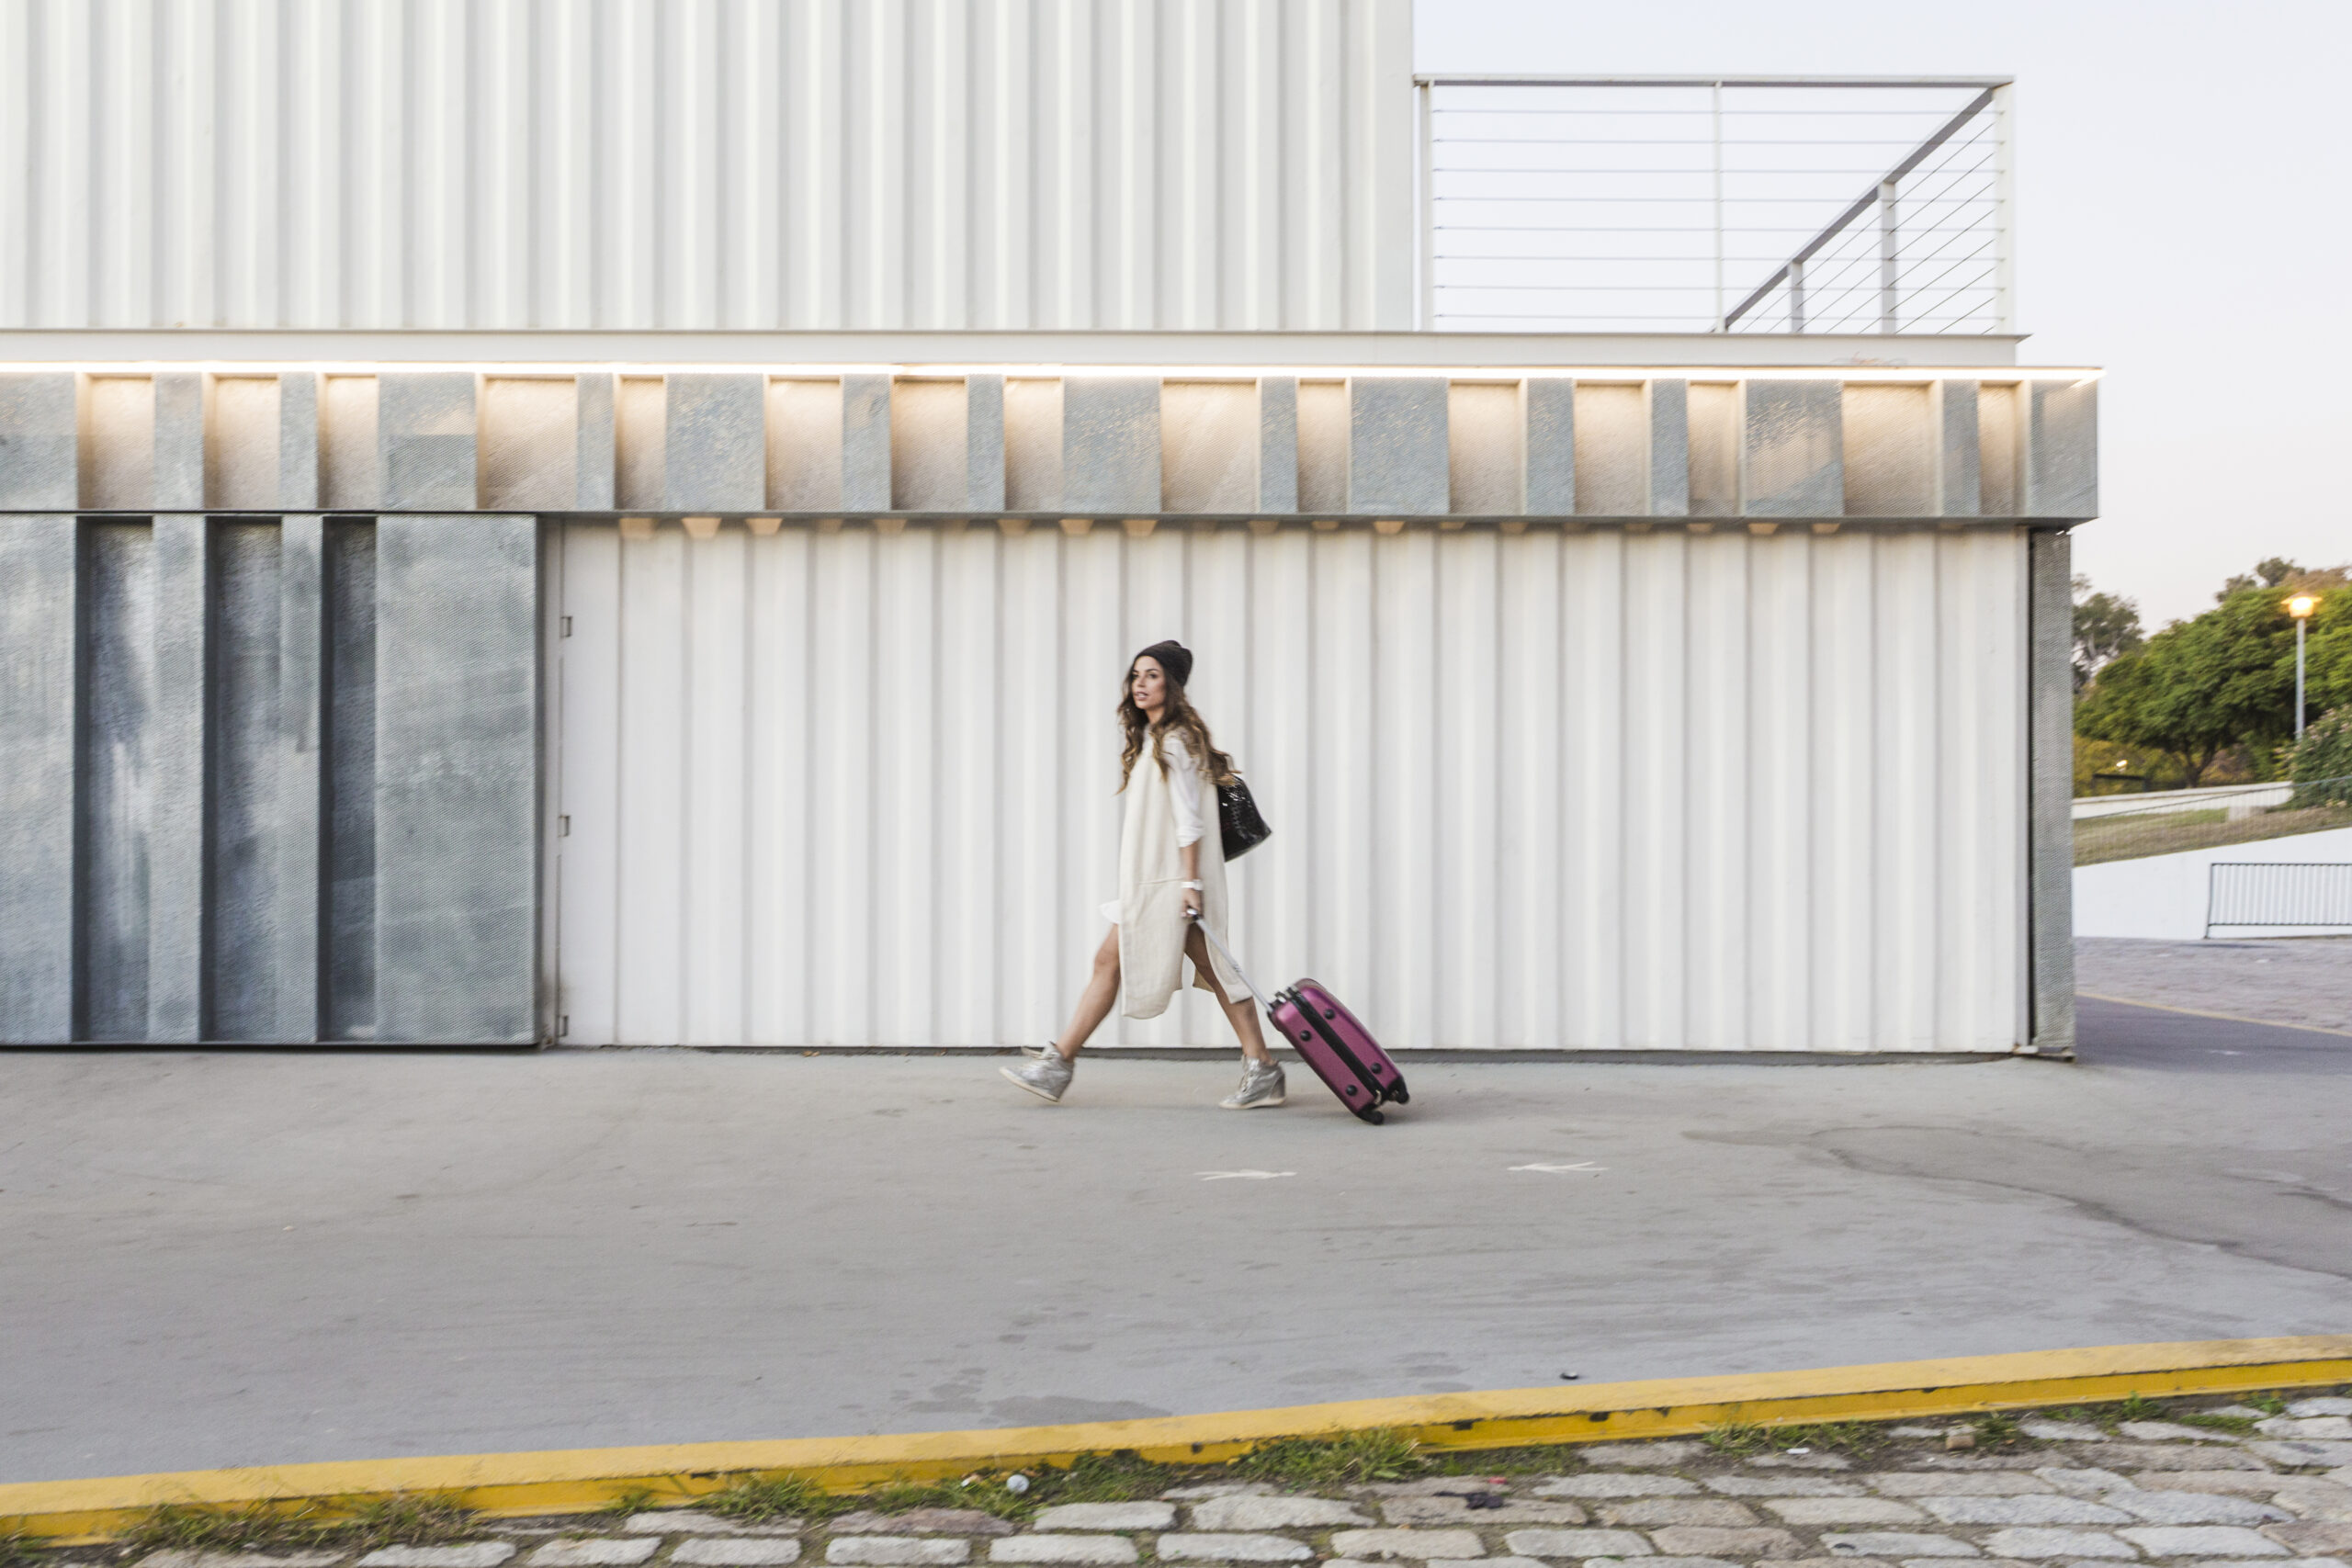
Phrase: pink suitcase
(1329, 1038)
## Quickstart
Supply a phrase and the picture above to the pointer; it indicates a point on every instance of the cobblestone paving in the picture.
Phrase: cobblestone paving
(2307, 981)
(2056, 1493)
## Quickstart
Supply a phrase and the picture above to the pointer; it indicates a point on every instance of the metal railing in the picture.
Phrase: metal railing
(1698, 204)
(2163, 827)
(2279, 896)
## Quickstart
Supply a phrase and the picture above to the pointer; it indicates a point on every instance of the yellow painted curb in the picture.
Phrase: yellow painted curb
(575, 1480)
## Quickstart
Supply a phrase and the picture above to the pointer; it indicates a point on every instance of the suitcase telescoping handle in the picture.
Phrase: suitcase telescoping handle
(1228, 957)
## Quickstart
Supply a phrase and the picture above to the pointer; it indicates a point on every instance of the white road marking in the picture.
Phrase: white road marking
(1242, 1175)
(1562, 1169)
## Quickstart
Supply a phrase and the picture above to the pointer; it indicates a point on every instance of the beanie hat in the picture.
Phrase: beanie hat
(1174, 657)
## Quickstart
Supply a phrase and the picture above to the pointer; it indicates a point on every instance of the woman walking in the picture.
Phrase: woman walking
(1171, 883)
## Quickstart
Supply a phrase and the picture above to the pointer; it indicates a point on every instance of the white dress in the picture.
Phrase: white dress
(1163, 815)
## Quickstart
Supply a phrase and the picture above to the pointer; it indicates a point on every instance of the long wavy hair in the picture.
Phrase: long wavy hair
(1177, 714)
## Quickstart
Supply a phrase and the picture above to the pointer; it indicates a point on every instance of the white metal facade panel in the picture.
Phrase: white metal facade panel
(706, 163)
(1609, 790)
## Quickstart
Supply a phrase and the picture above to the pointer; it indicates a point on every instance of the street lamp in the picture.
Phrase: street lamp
(2300, 607)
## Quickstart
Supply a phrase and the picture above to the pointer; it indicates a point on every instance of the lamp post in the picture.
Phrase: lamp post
(2300, 607)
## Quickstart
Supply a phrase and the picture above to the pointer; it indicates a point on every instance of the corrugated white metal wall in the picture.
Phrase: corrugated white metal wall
(706, 163)
(1610, 789)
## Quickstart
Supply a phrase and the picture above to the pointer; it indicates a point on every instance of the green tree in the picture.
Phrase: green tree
(2105, 627)
(2269, 573)
(2201, 686)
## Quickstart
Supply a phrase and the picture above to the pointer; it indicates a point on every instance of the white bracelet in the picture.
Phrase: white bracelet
(1192, 887)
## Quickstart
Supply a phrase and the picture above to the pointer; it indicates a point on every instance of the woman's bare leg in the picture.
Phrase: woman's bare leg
(1243, 1014)
(1094, 1001)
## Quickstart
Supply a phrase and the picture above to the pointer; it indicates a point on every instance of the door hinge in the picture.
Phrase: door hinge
(566, 630)
(563, 827)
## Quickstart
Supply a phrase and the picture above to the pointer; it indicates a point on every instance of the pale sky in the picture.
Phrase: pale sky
(2184, 221)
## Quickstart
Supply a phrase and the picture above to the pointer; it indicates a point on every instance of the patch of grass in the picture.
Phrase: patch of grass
(636, 1500)
(1381, 1454)
(1997, 1430)
(193, 1528)
(399, 1520)
(1547, 1458)
(17, 1549)
(1838, 1437)
(2240, 1425)
(1120, 1477)
(2268, 1404)
(2136, 1408)
(1738, 1438)
(773, 1497)
(403, 1520)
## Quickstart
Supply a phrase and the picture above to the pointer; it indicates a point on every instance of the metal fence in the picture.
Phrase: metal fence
(2167, 825)
(2279, 896)
(1692, 204)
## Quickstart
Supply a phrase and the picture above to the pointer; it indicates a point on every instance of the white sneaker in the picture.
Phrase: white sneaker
(1046, 1074)
(1261, 1087)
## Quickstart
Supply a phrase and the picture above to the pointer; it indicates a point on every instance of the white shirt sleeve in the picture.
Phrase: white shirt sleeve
(1183, 790)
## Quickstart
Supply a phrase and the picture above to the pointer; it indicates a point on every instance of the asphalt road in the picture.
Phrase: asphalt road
(225, 1260)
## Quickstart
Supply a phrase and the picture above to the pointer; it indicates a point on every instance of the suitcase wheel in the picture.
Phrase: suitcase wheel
(1397, 1093)
(1369, 1115)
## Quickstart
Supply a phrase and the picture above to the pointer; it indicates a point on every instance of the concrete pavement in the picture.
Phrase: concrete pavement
(220, 1259)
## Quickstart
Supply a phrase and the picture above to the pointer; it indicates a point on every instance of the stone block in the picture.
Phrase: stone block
(694, 1521)
(39, 576)
(722, 1551)
(2171, 1432)
(595, 1552)
(41, 446)
(2324, 1428)
(2034, 1543)
(1107, 1517)
(2062, 1432)
(425, 436)
(2051, 1509)
(1668, 400)
(984, 441)
(1897, 1544)
(1793, 459)
(2325, 1407)
(1230, 1548)
(1273, 1514)
(2313, 1537)
(1573, 1543)
(179, 1558)
(300, 412)
(1802, 1461)
(1958, 1484)
(866, 443)
(1088, 1548)
(2243, 1482)
(1782, 1486)
(1652, 1562)
(1642, 1512)
(2201, 1541)
(1435, 1543)
(1638, 1454)
(1111, 446)
(2312, 1499)
(179, 440)
(715, 442)
(920, 1521)
(1960, 464)
(1618, 1485)
(1458, 1510)
(2062, 452)
(2084, 1483)
(457, 780)
(1397, 459)
(2298, 1452)
(899, 1551)
(2169, 1507)
(1817, 1511)
(467, 1554)
(1551, 406)
(597, 452)
(1277, 445)
(1703, 1541)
